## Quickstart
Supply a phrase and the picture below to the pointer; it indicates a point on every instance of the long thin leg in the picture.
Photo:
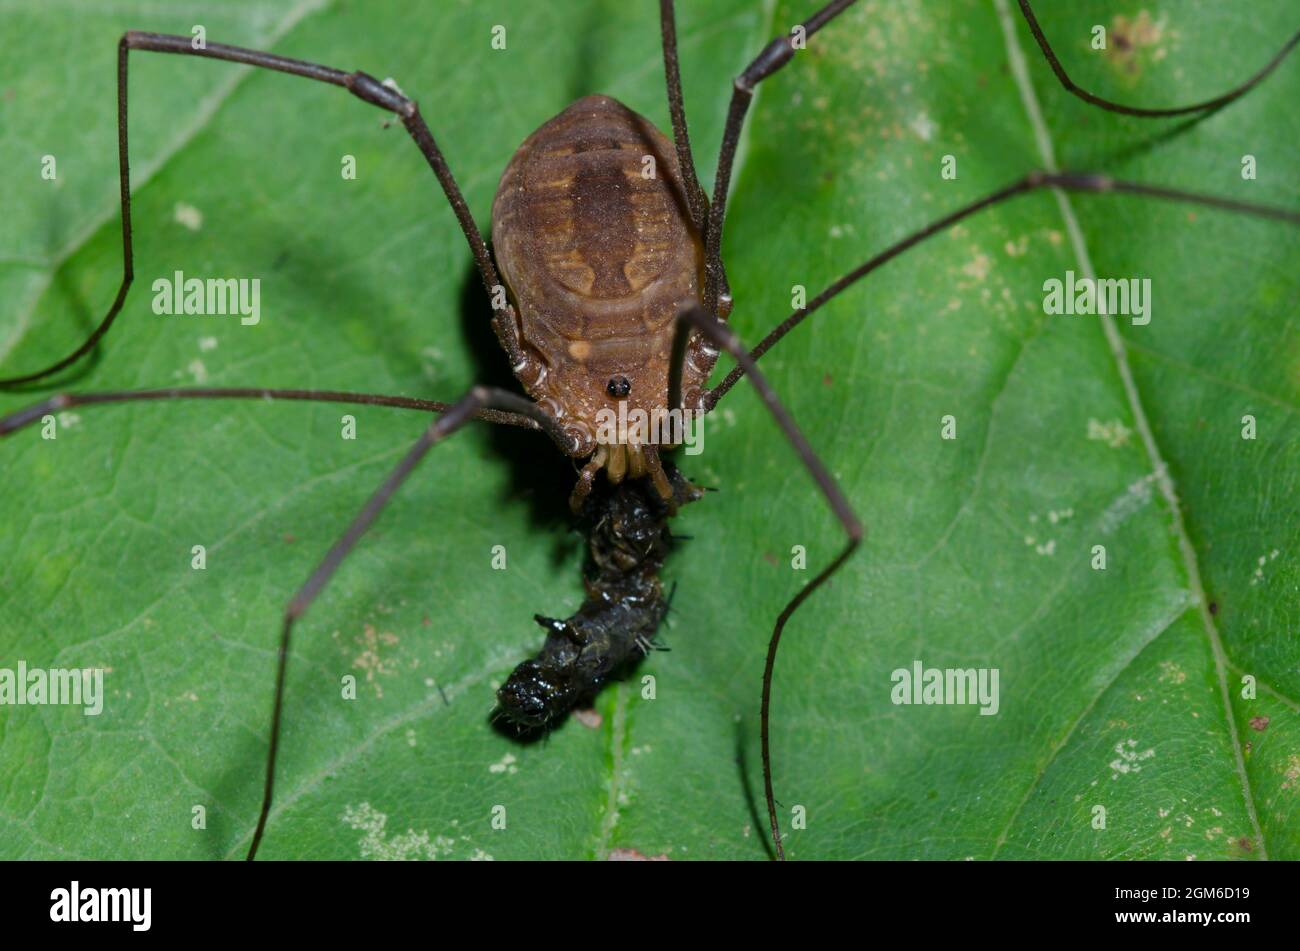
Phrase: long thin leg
(695, 199)
(30, 414)
(1072, 87)
(1070, 181)
(775, 55)
(696, 202)
(697, 319)
(361, 85)
(478, 398)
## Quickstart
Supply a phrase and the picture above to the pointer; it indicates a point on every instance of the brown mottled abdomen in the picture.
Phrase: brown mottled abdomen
(599, 255)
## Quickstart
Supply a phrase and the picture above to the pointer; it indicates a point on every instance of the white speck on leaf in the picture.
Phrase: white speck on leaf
(923, 126)
(1112, 432)
(978, 267)
(1129, 760)
(375, 844)
(188, 215)
(1263, 560)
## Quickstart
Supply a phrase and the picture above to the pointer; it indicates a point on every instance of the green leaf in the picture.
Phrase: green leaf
(1119, 688)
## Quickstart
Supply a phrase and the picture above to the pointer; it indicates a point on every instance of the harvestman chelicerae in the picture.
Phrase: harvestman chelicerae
(691, 334)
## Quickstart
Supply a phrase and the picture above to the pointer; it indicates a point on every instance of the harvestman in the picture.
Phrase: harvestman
(562, 362)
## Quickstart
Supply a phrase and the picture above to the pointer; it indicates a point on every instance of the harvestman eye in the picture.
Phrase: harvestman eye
(645, 254)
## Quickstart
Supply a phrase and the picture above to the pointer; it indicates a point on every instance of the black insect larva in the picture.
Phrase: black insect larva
(626, 527)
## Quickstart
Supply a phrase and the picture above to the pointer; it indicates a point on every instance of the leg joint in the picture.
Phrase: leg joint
(368, 89)
(775, 55)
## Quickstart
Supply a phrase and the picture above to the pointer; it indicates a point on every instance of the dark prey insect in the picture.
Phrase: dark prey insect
(626, 527)
(608, 288)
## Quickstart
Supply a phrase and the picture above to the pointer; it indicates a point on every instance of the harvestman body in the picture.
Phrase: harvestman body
(619, 294)
(593, 235)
